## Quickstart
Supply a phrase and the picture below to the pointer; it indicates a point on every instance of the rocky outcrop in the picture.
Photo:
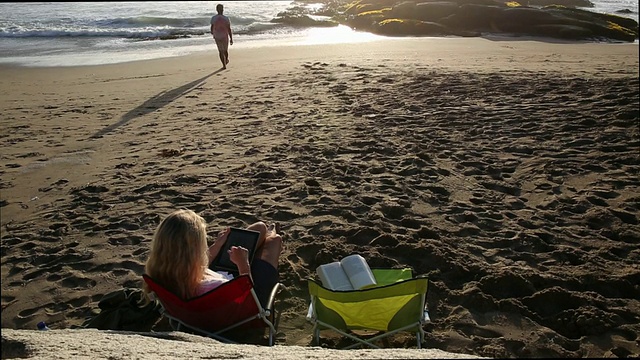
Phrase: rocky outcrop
(108, 344)
(541, 18)
(298, 16)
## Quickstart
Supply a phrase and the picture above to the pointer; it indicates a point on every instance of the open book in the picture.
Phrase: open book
(350, 273)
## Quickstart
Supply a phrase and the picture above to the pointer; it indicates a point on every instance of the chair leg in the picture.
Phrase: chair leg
(271, 337)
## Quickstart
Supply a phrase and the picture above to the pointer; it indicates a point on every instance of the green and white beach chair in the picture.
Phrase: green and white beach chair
(397, 303)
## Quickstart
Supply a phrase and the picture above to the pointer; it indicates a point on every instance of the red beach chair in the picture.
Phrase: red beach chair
(231, 306)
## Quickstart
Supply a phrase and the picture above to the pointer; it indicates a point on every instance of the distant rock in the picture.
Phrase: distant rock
(298, 16)
(543, 18)
(565, 3)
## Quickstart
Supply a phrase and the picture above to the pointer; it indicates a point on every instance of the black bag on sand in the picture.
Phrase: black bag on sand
(122, 310)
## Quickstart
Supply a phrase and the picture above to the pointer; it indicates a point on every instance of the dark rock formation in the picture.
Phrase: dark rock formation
(566, 3)
(297, 16)
(542, 18)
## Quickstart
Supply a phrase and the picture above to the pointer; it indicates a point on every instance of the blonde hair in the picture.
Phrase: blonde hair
(178, 256)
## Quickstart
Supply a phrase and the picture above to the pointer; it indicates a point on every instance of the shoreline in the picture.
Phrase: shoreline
(484, 164)
(94, 43)
(309, 37)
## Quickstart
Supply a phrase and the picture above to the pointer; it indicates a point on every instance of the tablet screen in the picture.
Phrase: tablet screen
(247, 239)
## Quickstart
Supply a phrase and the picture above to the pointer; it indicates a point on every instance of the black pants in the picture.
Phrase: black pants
(265, 277)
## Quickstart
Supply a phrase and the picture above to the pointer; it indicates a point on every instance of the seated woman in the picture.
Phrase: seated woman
(180, 257)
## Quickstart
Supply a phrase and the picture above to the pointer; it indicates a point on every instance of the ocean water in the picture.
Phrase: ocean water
(91, 33)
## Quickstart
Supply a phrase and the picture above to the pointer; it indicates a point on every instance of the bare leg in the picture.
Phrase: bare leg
(271, 250)
(222, 59)
(262, 229)
(269, 244)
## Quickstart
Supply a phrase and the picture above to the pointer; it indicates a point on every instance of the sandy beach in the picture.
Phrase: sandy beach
(507, 171)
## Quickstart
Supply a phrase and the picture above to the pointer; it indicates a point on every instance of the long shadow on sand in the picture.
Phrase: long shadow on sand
(156, 102)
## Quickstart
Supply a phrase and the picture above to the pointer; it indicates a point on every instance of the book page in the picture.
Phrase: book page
(333, 276)
(358, 271)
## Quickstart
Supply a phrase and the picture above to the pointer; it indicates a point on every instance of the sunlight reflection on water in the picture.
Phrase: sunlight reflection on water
(337, 35)
(340, 34)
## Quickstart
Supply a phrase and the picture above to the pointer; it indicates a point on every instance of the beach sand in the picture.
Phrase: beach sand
(505, 171)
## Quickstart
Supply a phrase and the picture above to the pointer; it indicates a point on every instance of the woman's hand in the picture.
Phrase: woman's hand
(240, 257)
(217, 245)
(222, 235)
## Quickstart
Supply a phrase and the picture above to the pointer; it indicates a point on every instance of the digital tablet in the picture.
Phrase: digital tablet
(247, 239)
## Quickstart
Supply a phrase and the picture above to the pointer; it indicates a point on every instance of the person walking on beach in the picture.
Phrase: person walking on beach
(221, 31)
